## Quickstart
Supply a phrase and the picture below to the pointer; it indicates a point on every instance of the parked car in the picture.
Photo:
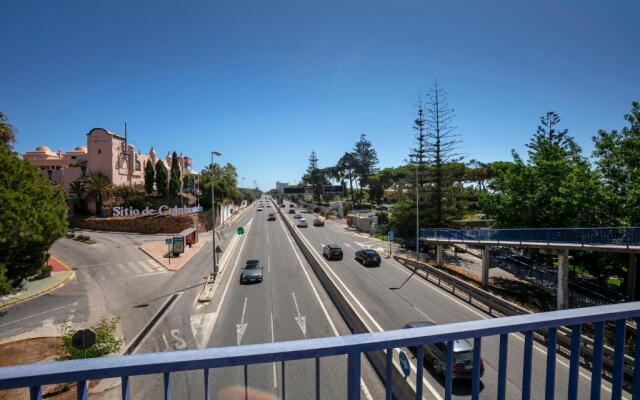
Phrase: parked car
(271, 217)
(368, 257)
(436, 355)
(318, 221)
(302, 223)
(252, 272)
(292, 211)
(332, 252)
(297, 216)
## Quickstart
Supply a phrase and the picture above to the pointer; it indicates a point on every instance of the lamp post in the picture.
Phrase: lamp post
(213, 218)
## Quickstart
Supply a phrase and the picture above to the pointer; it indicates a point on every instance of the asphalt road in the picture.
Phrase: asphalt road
(392, 296)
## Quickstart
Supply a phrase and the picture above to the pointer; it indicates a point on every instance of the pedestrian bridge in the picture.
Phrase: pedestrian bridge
(558, 329)
(620, 239)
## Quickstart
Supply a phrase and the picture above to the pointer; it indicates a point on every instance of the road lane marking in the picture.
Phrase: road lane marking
(348, 245)
(430, 387)
(121, 267)
(275, 378)
(145, 266)
(242, 326)
(38, 314)
(363, 385)
(269, 263)
(135, 268)
(301, 320)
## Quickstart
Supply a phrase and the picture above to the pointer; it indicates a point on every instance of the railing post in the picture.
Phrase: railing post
(596, 361)
(502, 366)
(126, 392)
(475, 372)
(207, 392)
(636, 364)
(317, 378)
(419, 371)
(35, 393)
(388, 378)
(448, 371)
(83, 390)
(550, 383)
(526, 365)
(167, 386)
(353, 376)
(618, 360)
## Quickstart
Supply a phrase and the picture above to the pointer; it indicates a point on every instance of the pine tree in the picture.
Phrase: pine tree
(441, 147)
(161, 179)
(149, 177)
(366, 161)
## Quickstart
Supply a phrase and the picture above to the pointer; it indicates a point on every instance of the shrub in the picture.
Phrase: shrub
(106, 340)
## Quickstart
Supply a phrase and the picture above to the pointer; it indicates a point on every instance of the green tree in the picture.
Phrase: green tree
(226, 184)
(441, 150)
(555, 188)
(162, 184)
(366, 161)
(314, 176)
(345, 169)
(32, 216)
(106, 340)
(97, 186)
(618, 161)
(174, 179)
(7, 131)
(149, 177)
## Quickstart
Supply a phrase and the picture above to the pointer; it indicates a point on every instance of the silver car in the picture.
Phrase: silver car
(302, 223)
(252, 272)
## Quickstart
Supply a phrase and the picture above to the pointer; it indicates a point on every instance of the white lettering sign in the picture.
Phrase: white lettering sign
(119, 211)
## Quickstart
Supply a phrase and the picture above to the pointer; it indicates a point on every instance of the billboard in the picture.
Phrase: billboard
(295, 190)
(333, 190)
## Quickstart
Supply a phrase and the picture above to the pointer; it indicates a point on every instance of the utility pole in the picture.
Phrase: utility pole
(214, 273)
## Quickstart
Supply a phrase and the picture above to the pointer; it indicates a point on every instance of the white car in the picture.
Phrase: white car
(302, 223)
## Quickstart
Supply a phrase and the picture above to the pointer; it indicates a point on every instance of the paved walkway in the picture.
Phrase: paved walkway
(32, 288)
(158, 250)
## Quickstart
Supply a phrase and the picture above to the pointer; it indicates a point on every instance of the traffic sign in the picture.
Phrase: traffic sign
(390, 236)
(240, 231)
(404, 364)
(168, 241)
(83, 339)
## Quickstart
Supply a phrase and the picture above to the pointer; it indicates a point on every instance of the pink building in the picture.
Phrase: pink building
(106, 152)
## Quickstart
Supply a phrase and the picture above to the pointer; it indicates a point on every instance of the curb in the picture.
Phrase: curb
(43, 291)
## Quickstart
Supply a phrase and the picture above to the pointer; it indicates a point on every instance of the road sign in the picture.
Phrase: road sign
(83, 339)
(240, 230)
(295, 190)
(178, 245)
(168, 241)
(390, 236)
(218, 249)
(333, 190)
(404, 364)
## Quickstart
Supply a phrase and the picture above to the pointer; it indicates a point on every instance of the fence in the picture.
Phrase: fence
(124, 367)
(620, 236)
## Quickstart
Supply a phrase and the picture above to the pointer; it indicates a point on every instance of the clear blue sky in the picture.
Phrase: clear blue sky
(265, 82)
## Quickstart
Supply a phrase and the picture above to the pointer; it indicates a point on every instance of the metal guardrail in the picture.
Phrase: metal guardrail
(166, 363)
(496, 306)
(619, 236)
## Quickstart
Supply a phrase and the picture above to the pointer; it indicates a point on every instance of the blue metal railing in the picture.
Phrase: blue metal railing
(620, 236)
(166, 363)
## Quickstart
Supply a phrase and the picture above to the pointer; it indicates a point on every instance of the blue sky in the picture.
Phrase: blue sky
(265, 82)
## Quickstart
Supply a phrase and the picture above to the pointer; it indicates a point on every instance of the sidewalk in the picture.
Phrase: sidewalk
(158, 251)
(60, 273)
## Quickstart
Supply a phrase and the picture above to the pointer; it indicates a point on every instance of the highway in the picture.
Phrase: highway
(390, 296)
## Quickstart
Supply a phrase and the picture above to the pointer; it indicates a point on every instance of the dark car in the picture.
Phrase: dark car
(368, 257)
(252, 272)
(271, 217)
(281, 205)
(332, 252)
(436, 355)
(292, 211)
(292, 205)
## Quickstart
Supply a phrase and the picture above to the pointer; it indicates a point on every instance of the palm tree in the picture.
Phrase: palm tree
(97, 185)
(79, 190)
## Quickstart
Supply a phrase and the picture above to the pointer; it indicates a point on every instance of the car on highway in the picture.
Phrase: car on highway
(259, 209)
(368, 258)
(292, 205)
(435, 354)
(297, 216)
(252, 272)
(318, 221)
(281, 205)
(292, 211)
(332, 252)
(302, 223)
(268, 205)
(271, 217)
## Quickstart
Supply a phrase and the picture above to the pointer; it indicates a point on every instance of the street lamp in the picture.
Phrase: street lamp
(213, 217)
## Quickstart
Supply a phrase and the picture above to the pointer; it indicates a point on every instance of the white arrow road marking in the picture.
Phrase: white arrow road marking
(301, 320)
(360, 244)
(322, 244)
(242, 326)
(348, 245)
